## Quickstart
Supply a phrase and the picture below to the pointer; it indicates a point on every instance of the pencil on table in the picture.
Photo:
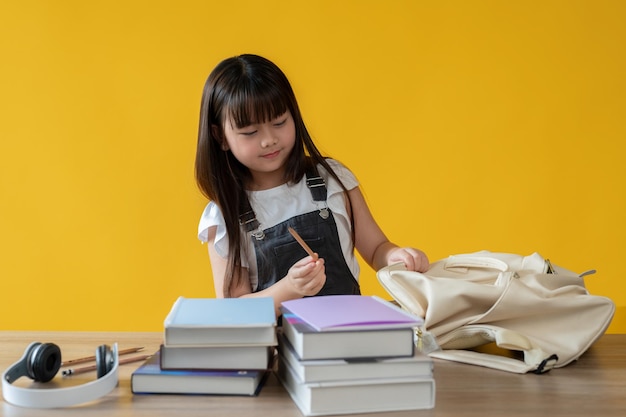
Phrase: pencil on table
(93, 358)
(74, 371)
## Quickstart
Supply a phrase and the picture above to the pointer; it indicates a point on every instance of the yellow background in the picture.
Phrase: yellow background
(471, 125)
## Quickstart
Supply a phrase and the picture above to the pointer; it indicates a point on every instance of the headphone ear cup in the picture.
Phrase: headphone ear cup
(104, 360)
(43, 362)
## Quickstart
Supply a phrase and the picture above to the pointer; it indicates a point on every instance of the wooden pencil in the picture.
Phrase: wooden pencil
(303, 243)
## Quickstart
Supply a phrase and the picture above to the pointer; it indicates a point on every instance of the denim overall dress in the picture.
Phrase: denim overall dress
(277, 250)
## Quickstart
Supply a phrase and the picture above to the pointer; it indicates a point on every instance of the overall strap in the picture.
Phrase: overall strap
(316, 184)
(247, 218)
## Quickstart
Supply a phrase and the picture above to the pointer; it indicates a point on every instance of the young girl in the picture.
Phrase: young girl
(262, 173)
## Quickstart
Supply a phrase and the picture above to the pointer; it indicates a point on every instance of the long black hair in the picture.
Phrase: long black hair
(246, 89)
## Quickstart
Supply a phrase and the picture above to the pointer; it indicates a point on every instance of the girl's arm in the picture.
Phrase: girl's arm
(305, 277)
(372, 243)
(219, 266)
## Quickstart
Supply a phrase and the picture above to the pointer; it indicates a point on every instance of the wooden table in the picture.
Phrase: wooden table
(593, 386)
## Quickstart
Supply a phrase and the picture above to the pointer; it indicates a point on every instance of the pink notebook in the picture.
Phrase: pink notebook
(350, 312)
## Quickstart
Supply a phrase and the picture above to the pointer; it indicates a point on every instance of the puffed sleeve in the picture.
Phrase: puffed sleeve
(212, 216)
(345, 175)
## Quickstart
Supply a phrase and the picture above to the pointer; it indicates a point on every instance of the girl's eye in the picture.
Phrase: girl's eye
(249, 133)
(280, 123)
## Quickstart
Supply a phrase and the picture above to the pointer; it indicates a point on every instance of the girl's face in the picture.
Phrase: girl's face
(263, 148)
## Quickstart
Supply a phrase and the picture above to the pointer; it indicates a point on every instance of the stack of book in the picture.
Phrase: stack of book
(344, 354)
(215, 346)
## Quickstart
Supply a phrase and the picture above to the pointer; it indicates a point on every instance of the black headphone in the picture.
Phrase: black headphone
(41, 362)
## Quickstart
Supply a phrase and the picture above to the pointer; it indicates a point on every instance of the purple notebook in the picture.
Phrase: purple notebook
(350, 312)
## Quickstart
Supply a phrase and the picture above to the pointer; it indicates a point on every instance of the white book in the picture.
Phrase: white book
(216, 357)
(221, 321)
(362, 396)
(418, 365)
(308, 343)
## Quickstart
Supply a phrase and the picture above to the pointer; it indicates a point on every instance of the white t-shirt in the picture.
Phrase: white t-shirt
(281, 203)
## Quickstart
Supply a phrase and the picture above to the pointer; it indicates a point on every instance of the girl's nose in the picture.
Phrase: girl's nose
(268, 140)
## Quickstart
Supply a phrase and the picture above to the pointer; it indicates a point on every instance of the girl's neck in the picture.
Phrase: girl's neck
(265, 182)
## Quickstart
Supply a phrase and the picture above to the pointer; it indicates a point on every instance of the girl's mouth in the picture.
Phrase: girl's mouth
(270, 155)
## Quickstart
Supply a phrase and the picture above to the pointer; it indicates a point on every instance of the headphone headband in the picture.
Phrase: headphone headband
(55, 397)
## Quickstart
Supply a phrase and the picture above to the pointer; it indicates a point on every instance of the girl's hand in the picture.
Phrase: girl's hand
(307, 276)
(413, 259)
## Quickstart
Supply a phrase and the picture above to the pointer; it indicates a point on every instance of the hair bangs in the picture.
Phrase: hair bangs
(254, 105)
